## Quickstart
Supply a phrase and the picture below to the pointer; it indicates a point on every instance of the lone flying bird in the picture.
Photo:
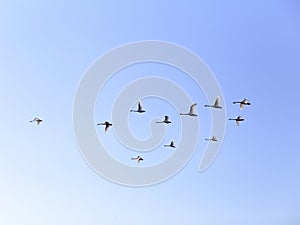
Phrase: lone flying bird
(36, 120)
(211, 139)
(106, 124)
(216, 104)
(138, 158)
(140, 108)
(166, 120)
(242, 103)
(238, 120)
(191, 112)
(172, 145)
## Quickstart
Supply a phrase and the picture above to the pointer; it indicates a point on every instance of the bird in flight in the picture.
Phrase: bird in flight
(138, 158)
(166, 120)
(36, 120)
(192, 111)
(140, 108)
(172, 145)
(242, 103)
(211, 139)
(106, 124)
(238, 120)
(216, 104)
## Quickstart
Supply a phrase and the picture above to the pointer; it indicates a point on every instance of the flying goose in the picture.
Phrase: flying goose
(211, 139)
(106, 124)
(238, 120)
(166, 120)
(138, 158)
(191, 112)
(243, 103)
(172, 145)
(216, 104)
(36, 120)
(140, 108)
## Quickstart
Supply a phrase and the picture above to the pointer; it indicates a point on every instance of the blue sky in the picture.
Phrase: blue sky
(251, 47)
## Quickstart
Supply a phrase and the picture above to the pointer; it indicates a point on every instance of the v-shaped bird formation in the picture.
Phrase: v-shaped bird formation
(167, 121)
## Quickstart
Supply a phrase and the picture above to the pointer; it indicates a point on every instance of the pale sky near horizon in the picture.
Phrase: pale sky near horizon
(252, 47)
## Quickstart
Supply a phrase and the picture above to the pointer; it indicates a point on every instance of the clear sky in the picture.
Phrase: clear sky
(253, 48)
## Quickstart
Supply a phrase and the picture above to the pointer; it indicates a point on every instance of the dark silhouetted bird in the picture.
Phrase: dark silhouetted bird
(243, 103)
(172, 145)
(166, 120)
(138, 159)
(238, 120)
(213, 138)
(140, 108)
(36, 120)
(106, 124)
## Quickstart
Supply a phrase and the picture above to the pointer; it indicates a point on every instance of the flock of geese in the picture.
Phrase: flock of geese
(216, 105)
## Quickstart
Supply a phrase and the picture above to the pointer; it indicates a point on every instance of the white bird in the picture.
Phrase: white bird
(172, 145)
(36, 120)
(166, 120)
(138, 158)
(106, 124)
(238, 120)
(140, 108)
(243, 103)
(211, 139)
(216, 104)
(191, 112)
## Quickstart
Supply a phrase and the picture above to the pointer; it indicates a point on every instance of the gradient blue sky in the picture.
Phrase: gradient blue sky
(253, 48)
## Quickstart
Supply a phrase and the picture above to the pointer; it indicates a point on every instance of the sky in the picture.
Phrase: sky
(253, 49)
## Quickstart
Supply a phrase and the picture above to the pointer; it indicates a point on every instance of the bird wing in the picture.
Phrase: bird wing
(192, 108)
(217, 101)
(245, 101)
(241, 106)
(140, 106)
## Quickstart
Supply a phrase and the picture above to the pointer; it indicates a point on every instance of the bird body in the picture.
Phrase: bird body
(106, 124)
(172, 145)
(191, 112)
(216, 104)
(140, 108)
(36, 120)
(166, 120)
(243, 103)
(238, 120)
